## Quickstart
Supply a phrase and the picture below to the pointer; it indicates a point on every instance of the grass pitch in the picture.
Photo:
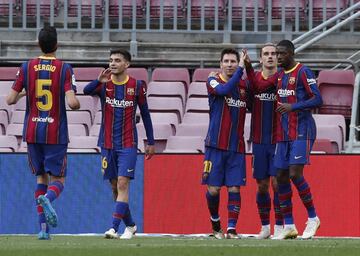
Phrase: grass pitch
(169, 246)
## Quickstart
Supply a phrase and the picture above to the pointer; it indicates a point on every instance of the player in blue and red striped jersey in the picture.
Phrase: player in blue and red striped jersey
(297, 95)
(120, 95)
(46, 82)
(263, 137)
(224, 163)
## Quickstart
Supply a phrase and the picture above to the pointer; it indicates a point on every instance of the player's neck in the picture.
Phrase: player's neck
(266, 72)
(119, 77)
(51, 54)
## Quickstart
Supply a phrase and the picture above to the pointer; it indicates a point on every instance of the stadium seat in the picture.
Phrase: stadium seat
(200, 105)
(5, 107)
(87, 73)
(161, 134)
(172, 74)
(209, 9)
(80, 87)
(331, 119)
(330, 8)
(185, 144)
(4, 7)
(197, 90)
(95, 130)
(196, 118)
(83, 144)
(126, 8)
(336, 88)
(15, 130)
(237, 9)
(5, 87)
(192, 130)
(45, 8)
(4, 122)
(138, 74)
(77, 130)
(290, 9)
(323, 146)
(164, 118)
(87, 104)
(79, 117)
(167, 89)
(17, 117)
(168, 8)
(8, 73)
(98, 116)
(162, 104)
(332, 133)
(8, 144)
(201, 74)
(85, 8)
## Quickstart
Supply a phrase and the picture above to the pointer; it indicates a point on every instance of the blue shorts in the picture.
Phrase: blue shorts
(263, 161)
(224, 168)
(47, 158)
(295, 152)
(118, 162)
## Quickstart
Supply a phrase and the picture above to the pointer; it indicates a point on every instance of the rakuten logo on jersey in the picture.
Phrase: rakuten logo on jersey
(235, 103)
(285, 92)
(39, 119)
(266, 96)
(119, 103)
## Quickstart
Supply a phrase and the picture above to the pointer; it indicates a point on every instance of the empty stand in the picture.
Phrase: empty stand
(290, 9)
(197, 90)
(77, 130)
(18, 117)
(4, 122)
(85, 8)
(197, 105)
(336, 88)
(168, 8)
(126, 8)
(209, 9)
(201, 74)
(330, 7)
(8, 144)
(4, 7)
(237, 9)
(332, 133)
(5, 87)
(5, 107)
(167, 89)
(15, 130)
(185, 144)
(8, 73)
(196, 118)
(161, 134)
(87, 73)
(83, 144)
(164, 118)
(138, 74)
(161, 104)
(79, 117)
(95, 130)
(192, 130)
(323, 146)
(98, 116)
(172, 74)
(45, 7)
(87, 104)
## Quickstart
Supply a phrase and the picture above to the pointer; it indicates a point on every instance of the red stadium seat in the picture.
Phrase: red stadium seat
(332, 133)
(8, 73)
(209, 9)
(185, 144)
(167, 89)
(237, 9)
(86, 6)
(168, 8)
(126, 8)
(138, 74)
(330, 8)
(336, 88)
(323, 146)
(45, 8)
(4, 7)
(197, 90)
(87, 73)
(8, 144)
(201, 74)
(171, 74)
(290, 9)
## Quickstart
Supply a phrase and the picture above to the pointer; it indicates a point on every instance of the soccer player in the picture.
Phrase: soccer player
(263, 137)
(46, 81)
(224, 162)
(297, 95)
(120, 95)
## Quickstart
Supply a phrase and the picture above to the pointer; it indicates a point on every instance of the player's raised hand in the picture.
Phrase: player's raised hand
(212, 74)
(242, 57)
(149, 151)
(105, 76)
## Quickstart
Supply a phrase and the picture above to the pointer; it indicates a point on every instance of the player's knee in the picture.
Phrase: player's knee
(263, 187)
(213, 190)
(122, 185)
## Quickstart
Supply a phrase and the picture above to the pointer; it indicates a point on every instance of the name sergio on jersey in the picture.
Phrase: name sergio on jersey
(235, 103)
(47, 67)
(119, 103)
(266, 96)
(39, 119)
(285, 93)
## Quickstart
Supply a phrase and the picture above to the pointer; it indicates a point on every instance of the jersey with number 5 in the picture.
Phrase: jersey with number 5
(46, 80)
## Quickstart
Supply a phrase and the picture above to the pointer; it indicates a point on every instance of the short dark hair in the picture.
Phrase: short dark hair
(230, 51)
(48, 39)
(124, 53)
(288, 45)
(265, 45)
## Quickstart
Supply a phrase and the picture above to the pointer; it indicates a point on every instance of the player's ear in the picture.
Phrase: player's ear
(127, 64)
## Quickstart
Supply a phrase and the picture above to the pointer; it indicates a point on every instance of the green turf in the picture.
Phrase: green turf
(80, 245)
